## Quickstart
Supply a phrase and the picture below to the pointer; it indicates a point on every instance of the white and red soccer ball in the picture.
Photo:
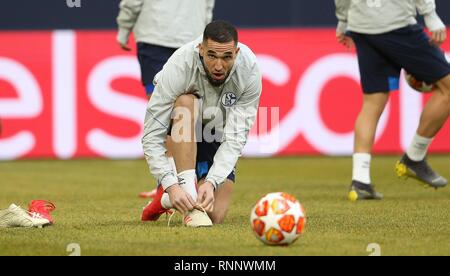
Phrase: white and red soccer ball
(418, 85)
(278, 219)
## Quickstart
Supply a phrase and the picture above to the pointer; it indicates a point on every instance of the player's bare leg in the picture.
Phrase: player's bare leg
(184, 195)
(183, 144)
(222, 198)
(184, 150)
(436, 110)
(367, 121)
(365, 130)
(435, 114)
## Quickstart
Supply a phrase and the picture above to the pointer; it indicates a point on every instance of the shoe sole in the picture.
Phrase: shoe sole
(199, 226)
(403, 172)
(151, 218)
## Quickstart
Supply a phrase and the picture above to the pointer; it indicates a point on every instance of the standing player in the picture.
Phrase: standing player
(213, 85)
(160, 28)
(387, 39)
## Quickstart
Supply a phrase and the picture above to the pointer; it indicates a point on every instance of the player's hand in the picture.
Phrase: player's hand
(438, 37)
(344, 40)
(122, 39)
(124, 46)
(206, 196)
(181, 200)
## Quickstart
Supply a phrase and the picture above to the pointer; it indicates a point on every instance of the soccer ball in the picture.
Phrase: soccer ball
(418, 85)
(278, 219)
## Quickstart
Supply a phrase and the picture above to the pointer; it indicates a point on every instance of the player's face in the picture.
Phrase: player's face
(218, 60)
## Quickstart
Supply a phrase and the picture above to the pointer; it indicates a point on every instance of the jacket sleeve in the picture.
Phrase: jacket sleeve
(342, 7)
(427, 8)
(128, 14)
(239, 122)
(170, 85)
(209, 10)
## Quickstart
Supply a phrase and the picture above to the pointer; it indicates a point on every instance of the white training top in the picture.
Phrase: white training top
(168, 23)
(230, 109)
(382, 16)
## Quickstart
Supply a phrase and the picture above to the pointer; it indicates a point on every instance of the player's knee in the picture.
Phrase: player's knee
(185, 101)
(444, 85)
(218, 217)
(184, 109)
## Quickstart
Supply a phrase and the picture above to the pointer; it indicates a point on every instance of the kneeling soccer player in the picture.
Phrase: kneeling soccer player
(206, 97)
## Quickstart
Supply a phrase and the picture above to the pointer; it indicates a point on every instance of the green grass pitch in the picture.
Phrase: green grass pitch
(98, 208)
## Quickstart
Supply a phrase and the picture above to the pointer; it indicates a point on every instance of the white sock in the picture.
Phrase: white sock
(418, 148)
(165, 200)
(187, 181)
(361, 167)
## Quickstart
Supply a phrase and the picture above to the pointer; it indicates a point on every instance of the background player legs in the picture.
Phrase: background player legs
(222, 201)
(365, 130)
(435, 114)
(367, 121)
(436, 110)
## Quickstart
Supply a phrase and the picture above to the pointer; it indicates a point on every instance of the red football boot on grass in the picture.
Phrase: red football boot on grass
(154, 209)
(41, 208)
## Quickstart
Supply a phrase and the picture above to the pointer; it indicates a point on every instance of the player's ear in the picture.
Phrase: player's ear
(201, 49)
(237, 51)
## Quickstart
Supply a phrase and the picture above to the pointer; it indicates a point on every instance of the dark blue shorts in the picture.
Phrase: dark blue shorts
(152, 59)
(205, 159)
(381, 58)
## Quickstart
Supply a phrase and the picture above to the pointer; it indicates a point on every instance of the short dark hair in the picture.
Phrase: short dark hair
(220, 31)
